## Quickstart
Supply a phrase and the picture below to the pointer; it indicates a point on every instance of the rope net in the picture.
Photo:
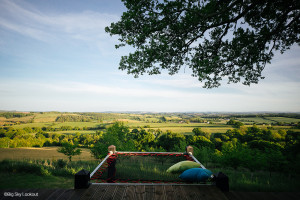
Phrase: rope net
(139, 168)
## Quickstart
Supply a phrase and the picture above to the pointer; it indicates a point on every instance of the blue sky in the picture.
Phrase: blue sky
(55, 56)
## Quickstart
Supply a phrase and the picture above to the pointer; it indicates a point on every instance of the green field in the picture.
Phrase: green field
(256, 120)
(182, 128)
(40, 153)
(267, 120)
(58, 124)
(175, 122)
(25, 180)
(284, 119)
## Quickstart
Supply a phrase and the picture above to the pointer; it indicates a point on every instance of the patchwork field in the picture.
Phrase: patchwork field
(43, 153)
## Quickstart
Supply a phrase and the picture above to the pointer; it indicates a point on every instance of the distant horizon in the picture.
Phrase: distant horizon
(134, 112)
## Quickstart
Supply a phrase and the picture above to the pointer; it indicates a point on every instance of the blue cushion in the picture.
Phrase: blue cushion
(196, 175)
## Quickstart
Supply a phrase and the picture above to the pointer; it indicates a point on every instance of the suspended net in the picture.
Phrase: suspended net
(129, 167)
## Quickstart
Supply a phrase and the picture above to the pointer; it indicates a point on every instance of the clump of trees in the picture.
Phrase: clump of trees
(249, 147)
(9, 115)
(73, 118)
(235, 124)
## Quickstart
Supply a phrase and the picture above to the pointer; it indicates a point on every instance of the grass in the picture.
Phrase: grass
(25, 180)
(284, 119)
(183, 128)
(40, 153)
(41, 173)
(46, 117)
(260, 181)
(267, 120)
(256, 120)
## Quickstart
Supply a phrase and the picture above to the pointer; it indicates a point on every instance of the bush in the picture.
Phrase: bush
(60, 163)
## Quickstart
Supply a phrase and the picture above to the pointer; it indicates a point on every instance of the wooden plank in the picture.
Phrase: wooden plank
(55, 194)
(214, 193)
(159, 192)
(89, 192)
(179, 192)
(231, 195)
(42, 193)
(140, 192)
(16, 194)
(169, 193)
(241, 195)
(34, 191)
(109, 193)
(191, 192)
(120, 192)
(287, 195)
(66, 195)
(149, 192)
(77, 193)
(130, 193)
(100, 191)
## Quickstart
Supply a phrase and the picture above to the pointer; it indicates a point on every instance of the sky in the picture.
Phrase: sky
(56, 56)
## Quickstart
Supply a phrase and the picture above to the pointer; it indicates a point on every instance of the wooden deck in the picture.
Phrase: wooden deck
(124, 192)
(144, 192)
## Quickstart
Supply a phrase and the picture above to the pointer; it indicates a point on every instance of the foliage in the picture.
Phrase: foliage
(216, 38)
(199, 132)
(119, 135)
(73, 118)
(9, 115)
(142, 139)
(236, 124)
(69, 150)
(170, 141)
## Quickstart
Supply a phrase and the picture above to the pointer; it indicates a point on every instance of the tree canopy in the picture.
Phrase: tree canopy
(234, 39)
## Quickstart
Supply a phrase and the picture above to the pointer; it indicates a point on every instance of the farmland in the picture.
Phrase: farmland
(44, 153)
(242, 145)
(175, 122)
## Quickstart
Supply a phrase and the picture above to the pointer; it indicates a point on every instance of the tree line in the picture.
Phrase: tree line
(252, 147)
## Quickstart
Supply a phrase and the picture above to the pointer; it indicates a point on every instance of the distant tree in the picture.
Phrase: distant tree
(142, 139)
(201, 141)
(199, 132)
(69, 150)
(170, 140)
(235, 124)
(119, 135)
(163, 119)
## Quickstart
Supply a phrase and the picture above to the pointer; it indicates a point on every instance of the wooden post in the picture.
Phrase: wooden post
(112, 149)
(189, 150)
(82, 179)
(111, 173)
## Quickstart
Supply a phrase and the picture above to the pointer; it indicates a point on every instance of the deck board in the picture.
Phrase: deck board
(100, 192)
(159, 193)
(179, 192)
(169, 192)
(120, 192)
(140, 192)
(76, 195)
(109, 193)
(149, 192)
(130, 193)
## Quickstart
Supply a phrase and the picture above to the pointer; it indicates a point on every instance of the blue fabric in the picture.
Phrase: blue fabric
(196, 175)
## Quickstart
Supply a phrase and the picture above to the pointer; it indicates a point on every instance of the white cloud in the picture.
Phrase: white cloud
(28, 21)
